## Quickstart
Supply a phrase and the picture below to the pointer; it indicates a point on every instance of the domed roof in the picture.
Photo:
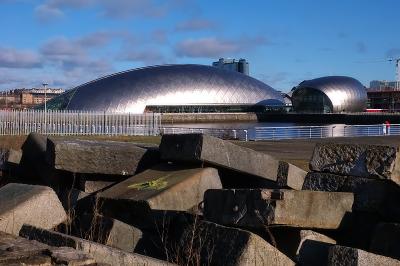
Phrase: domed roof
(345, 93)
(133, 90)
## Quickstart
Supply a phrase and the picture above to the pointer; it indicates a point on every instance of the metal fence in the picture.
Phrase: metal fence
(238, 134)
(312, 132)
(78, 123)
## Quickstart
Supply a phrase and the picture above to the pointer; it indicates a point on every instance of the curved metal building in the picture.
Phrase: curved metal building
(162, 87)
(330, 94)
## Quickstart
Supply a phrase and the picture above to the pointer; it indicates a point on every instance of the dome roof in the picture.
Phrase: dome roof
(344, 93)
(133, 90)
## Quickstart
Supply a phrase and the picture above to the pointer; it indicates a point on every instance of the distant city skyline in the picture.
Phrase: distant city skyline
(69, 42)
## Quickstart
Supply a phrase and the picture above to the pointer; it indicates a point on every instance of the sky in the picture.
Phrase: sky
(68, 42)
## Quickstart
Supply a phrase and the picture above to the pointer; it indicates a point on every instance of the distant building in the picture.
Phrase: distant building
(26, 98)
(241, 66)
(384, 85)
(384, 95)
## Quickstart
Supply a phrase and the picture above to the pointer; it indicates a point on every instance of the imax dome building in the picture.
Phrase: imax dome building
(332, 94)
(170, 88)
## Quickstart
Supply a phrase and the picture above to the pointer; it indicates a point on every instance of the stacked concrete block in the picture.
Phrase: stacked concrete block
(258, 208)
(101, 253)
(16, 250)
(193, 241)
(370, 195)
(107, 231)
(200, 200)
(36, 205)
(199, 149)
(313, 248)
(166, 187)
(386, 240)
(94, 157)
(369, 161)
(347, 256)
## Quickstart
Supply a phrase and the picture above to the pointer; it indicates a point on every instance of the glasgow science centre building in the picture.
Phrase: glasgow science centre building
(201, 88)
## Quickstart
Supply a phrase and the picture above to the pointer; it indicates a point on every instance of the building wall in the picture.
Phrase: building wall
(241, 66)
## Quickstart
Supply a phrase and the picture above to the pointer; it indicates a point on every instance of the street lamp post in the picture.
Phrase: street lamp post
(45, 107)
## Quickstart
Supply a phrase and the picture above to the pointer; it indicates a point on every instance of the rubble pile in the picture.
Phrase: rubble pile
(196, 200)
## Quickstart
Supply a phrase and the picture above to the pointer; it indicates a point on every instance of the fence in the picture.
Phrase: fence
(311, 132)
(78, 123)
(238, 134)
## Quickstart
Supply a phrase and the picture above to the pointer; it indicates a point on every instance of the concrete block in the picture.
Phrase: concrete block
(370, 195)
(290, 176)
(32, 163)
(369, 161)
(313, 248)
(347, 256)
(90, 186)
(95, 157)
(198, 148)
(192, 241)
(70, 197)
(107, 231)
(101, 253)
(386, 240)
(9, 158)
(37, 205)
(16, 250)
(166, 187)
(34, 169)
(255, 208)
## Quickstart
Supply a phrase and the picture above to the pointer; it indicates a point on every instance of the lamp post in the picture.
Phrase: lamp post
(45, 107)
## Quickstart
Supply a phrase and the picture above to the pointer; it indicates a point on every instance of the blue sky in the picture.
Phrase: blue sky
(68, 42)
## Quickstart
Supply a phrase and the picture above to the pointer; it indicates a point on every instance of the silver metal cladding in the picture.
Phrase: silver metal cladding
(133, 90)
(345, 94)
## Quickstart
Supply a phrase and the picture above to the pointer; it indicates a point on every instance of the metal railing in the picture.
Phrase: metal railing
(55, 122)
(312, 132)
(237, 134)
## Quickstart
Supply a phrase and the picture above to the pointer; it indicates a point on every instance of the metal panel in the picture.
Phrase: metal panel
(132, 90)
(345, 93)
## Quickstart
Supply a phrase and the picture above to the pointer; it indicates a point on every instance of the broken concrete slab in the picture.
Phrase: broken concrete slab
(347, 256)
(369, 161)
(370, 195)
(16, 250)
(95, 157)
(166, 187)
(386, 240)
(22, 203)
(313, 248)
(101, 253)
(256, 208)
(290, 176)
(107, 231)
(198, 148)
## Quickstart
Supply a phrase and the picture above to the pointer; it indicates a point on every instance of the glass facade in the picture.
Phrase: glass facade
(311, 101)
(205, 108)
(60, 102)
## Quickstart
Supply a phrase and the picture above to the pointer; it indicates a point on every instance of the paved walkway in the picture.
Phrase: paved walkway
(299, 152)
